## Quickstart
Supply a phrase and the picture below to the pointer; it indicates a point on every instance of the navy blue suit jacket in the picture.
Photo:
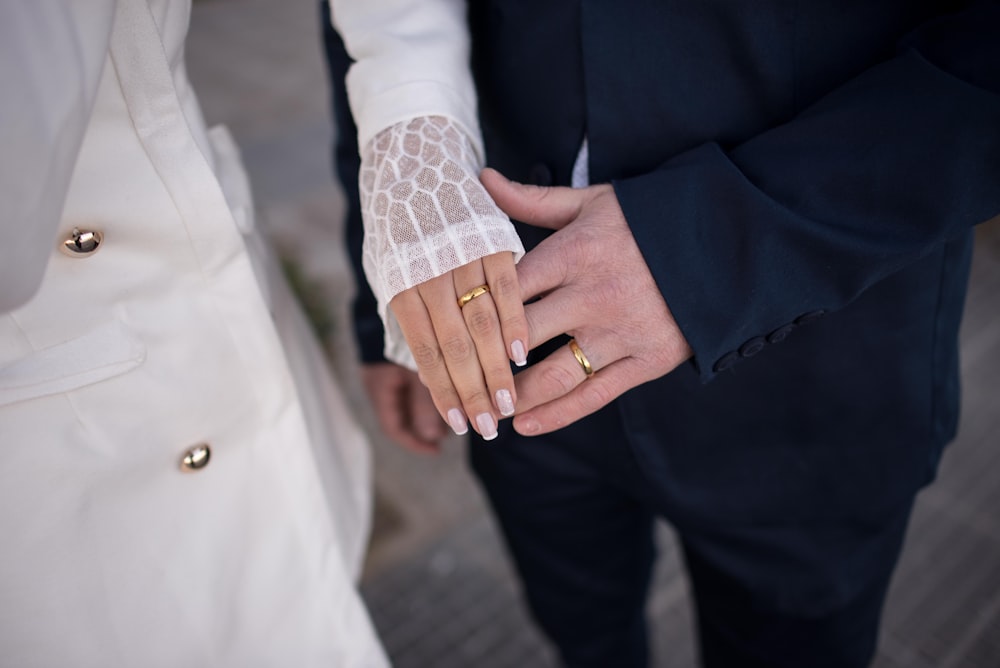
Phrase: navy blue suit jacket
(803, 179)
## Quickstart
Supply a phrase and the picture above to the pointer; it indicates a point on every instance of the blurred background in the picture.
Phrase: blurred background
(438, 582)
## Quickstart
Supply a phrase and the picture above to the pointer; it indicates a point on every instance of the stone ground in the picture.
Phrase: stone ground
(438, 583)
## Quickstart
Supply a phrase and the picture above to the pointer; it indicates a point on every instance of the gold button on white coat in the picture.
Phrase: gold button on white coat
(82, 243)
(196, 458)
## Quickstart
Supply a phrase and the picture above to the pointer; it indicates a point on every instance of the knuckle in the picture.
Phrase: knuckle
(457, 348)
(475, 398)
(559, 380)
(442, 390)
(505, 286)
(574, 258)
(481, 322)
(499, 373)
(585, 246)
(427, 356)
(515, 324)
(615, 295)
(596, 395)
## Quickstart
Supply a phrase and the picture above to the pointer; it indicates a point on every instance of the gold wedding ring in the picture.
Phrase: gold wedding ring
(472, 294)
(581, 358)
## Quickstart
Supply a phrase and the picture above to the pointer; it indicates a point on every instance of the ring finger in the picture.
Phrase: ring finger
(483, 322)
(460, 354)
(482, 316)
(561, 372)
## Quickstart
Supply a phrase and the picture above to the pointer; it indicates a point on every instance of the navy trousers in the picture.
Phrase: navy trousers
(578, 516)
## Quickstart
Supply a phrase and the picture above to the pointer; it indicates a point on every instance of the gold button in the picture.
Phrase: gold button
(196, 458)
(81, 243)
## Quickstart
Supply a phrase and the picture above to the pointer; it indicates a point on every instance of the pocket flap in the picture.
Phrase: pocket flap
(105, 352)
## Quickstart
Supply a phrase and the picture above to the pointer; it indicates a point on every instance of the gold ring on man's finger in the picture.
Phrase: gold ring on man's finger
(581, 358)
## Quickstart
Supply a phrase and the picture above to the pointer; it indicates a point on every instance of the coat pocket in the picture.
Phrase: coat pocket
(105, 352)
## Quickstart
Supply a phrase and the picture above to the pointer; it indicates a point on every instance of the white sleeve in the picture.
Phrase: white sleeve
(414, 101)
(51, 58)
(425, 213)
(411, 59)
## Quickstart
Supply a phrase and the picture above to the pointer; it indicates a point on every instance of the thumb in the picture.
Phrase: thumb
(552, 208)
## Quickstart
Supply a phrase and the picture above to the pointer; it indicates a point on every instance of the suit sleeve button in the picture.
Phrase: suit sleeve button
(753, 346)
(726, 361)
(780, 334)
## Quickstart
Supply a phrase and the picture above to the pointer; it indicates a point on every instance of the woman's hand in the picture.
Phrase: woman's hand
(435, 238)
(463, 353)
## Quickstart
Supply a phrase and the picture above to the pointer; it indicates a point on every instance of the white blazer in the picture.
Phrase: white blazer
(181, 483)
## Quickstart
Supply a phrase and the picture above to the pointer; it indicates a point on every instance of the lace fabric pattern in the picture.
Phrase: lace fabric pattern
(425, 212)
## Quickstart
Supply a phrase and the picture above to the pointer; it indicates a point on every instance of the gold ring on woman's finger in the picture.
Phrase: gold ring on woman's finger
(472, 294)
(581, 358)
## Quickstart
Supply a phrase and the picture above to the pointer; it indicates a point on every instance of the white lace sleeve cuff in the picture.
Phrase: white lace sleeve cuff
(425, 213)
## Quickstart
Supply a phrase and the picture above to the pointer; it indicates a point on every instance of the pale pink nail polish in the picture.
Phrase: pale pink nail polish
(505, 403)
(487, 428)
(457, 421)
(518, 353)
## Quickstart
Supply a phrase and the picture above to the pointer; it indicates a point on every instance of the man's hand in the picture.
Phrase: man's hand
(595, 286)
(403, 407)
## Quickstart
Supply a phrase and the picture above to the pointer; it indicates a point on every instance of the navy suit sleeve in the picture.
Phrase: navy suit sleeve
(803, 218)
(367, 324)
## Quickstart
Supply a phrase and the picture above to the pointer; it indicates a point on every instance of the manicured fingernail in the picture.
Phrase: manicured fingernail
(457, 421)
(505, 403)
(518, 353)
(487, 428)
(528, 426)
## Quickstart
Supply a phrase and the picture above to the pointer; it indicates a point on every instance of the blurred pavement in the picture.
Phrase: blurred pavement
(438, 583)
